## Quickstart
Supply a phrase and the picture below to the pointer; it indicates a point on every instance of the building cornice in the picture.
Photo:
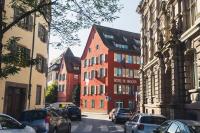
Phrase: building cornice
(191, 31)
(152, 62)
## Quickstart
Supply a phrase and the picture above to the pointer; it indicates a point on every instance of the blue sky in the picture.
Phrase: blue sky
(128, 20)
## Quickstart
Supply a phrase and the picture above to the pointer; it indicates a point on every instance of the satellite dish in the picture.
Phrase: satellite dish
(87, 81)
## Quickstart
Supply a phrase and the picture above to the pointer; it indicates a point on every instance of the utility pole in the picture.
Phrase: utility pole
(32, 54)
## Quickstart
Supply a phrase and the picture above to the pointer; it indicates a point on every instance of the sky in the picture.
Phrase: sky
(128, 20)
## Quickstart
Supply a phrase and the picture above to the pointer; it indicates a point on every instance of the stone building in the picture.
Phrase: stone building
(170, 70)
(17, 93)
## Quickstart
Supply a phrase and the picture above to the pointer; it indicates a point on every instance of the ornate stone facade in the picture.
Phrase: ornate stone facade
(170, 70)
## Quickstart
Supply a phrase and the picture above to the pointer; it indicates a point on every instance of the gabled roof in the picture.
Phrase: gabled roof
(112, 37)
(71, 61)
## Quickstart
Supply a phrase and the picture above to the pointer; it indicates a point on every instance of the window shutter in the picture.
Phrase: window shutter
(95, 91)
(94, 60)
(104, 89)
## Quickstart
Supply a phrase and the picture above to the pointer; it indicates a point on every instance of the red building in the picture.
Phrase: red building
(109, 71)
(69, 76)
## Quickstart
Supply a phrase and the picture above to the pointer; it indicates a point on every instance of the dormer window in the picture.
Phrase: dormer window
(108, 36)
(121, 46)
(97, 46)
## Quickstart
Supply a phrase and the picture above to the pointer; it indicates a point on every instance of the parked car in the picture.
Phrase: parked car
(73, 112)
(178, 126)
(10, 125)
(46, 121)
(110, 115)
(121, 115)
(143, 123)
(61, 104)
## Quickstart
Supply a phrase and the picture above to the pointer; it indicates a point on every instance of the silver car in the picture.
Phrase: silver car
(143, 123)
(10, 125)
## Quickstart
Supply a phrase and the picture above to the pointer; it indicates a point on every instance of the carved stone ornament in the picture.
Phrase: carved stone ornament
(160, 40)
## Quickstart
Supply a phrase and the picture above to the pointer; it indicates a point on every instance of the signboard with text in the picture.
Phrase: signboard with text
(126, 81)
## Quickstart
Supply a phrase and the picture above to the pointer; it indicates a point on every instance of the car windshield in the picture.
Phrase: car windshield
(33, 115)
(194, 129)
(124, 111)
(152, 120)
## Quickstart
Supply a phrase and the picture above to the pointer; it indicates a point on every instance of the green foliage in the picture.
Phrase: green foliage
(15, 58)
(51, 93)
(76, 95)
(64, 17)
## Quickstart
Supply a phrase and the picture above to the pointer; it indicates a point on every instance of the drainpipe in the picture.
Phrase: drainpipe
(32, 54)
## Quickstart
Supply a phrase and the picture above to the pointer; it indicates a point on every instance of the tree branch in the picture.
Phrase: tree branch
(26, 14)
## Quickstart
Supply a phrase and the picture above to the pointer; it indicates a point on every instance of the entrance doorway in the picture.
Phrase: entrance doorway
(15, 101)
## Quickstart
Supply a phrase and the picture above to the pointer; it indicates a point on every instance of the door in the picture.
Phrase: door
(15, 99)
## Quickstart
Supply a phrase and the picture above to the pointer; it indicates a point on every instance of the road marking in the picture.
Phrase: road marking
(74, 127)
(104, 128)
(88, 128)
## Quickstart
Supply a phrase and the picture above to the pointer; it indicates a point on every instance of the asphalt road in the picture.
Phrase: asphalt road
(96, 123)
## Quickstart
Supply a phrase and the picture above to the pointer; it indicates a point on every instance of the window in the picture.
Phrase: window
(85, 90)
(26, 23)
(38, 95)
(119, 104)
(117, 57)
(89, 50)
(97, 47)
(85, 75)
(131, 105)
(85, 103)
(153, 85)
(136, 74)
(93, 104)
(118, 89)
(190, 12)
(7, 123)
(102, 72)
(102, 58)
(117, 72)
(129, 73)
(172, 128)
(63, 77)
(42, 33)
(63, 88)
(21, 53)
(101, 89)
(41, 65)
(93, 61)
(85, 63)
(101, 103)
(121, 46)
(108, 36)
(76, 68)
(59, 88)
(93, 74)
(129, 59)
(93, 90)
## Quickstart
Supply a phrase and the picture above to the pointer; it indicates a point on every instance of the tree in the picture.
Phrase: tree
(76, 95)
(64, 17)
(51, 93)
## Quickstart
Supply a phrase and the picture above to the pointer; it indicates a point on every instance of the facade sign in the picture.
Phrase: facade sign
(126, 81)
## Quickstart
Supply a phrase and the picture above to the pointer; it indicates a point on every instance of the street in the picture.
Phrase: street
(96, 123)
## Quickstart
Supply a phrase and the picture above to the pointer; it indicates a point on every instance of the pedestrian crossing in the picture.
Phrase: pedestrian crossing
(82, 127)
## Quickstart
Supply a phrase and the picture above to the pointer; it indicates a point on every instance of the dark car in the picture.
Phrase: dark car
(121, 115)
(46, 121)
(73, 112)
(179, 126)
